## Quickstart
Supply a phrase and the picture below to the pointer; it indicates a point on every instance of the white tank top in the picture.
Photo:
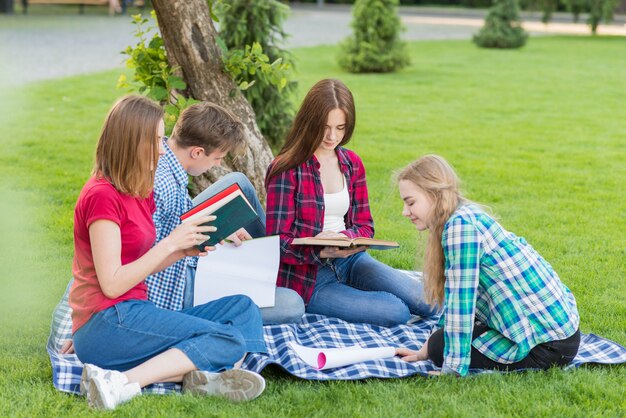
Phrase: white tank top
(337, 205)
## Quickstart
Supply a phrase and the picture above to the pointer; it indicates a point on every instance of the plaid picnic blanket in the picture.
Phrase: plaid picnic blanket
(321, 332)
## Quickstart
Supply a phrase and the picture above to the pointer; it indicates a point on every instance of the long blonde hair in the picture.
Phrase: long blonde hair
(435, 177)
(128, 145)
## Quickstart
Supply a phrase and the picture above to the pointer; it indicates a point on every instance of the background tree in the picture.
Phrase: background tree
(547, 7)
(190, 39)
(502, 27)
(244, 22)
(375, 45)
(601, 10)
(576, 7)
(598, 10)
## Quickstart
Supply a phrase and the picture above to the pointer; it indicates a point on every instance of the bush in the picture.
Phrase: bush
(270, 93)
(600, 10)
(153, 75)
(375, 46)
(502, 27)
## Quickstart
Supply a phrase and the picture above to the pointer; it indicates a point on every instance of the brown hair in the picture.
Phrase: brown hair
(211, 127)
(307, 130)
(128, 144)
(435, 177)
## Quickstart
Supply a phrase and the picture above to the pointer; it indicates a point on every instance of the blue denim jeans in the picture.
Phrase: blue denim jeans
(289, 306)
(361, 289)
(213, 336)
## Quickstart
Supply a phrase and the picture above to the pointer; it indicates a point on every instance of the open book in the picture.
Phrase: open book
(250, 269)
(232, 211)
(375, 244)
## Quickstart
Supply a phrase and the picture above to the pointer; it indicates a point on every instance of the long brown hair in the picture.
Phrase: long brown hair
(307, 130)
(435, 177)
(128, 148)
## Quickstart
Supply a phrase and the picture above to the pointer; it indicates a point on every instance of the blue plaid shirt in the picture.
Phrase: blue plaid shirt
(496, 278)
(167, 287)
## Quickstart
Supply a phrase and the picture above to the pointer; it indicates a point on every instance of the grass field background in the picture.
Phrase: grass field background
(538, 134)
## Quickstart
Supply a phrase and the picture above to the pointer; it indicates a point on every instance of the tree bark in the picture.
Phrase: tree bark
(189, 37)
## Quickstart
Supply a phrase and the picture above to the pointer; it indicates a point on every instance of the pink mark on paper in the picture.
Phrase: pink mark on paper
(321, 360)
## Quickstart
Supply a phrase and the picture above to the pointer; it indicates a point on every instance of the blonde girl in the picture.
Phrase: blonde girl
(504, 306)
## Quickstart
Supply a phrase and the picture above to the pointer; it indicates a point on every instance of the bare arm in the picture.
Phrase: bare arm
(116, 279)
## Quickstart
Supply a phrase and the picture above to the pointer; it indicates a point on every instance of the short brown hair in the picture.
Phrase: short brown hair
(128, 146)
(211, 127)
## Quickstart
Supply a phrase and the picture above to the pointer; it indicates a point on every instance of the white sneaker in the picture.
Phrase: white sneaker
(237, 385)
(106, 389)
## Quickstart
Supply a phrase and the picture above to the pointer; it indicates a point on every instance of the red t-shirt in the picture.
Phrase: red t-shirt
(100, 200)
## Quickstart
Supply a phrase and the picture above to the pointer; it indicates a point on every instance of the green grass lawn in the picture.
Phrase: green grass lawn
(537, 134)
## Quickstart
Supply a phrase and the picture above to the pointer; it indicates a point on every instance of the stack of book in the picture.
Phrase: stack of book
(232, 211)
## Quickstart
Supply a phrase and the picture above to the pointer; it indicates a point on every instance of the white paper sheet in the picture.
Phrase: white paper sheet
(328, 358)
(250, 269)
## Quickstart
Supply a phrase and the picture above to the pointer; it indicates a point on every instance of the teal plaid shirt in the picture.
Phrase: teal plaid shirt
(497, 279)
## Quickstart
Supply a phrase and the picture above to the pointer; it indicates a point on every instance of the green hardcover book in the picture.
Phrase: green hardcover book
(229, 218)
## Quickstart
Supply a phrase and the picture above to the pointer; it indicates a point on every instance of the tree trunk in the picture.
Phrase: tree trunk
(189, 37)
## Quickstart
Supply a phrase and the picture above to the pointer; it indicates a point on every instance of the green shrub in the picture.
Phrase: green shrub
(375, 46)
(154, 77)
(267, 86)
(600, 10)
(502, 27)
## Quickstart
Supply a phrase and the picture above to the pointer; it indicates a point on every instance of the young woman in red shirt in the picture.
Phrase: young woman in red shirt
(125, 341)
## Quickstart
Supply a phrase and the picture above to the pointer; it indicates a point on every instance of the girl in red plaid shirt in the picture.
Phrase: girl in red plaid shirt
(316, 187)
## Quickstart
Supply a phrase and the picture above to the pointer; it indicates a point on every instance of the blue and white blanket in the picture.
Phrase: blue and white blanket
(320, 332)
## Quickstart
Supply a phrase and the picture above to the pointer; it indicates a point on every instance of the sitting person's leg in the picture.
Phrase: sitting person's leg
(143, 331)
(237, 311)
(288, 308)
(542, 356)
(366, 273)
(334, 298)
(248, 190)
(150, 345)
(190, 282)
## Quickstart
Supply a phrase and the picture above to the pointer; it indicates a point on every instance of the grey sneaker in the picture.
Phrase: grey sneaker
(237, 385)
(106, 389)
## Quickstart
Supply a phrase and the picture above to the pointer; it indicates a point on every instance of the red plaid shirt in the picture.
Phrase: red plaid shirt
(295, 209)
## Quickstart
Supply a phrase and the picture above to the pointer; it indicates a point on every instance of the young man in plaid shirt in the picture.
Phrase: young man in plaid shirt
(202, 137)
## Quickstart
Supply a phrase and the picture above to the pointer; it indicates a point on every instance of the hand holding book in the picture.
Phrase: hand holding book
(238, 237)
(340, 240)
(186, 236)
(232, 212)
(337, 252)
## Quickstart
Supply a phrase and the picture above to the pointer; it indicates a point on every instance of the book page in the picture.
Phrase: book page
(329, 358)
(250, 269)
(340, 242)
(372, 243)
